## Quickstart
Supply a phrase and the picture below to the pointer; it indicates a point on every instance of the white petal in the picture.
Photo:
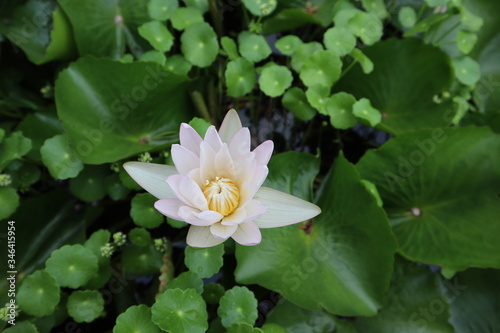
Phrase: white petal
(283, 209)
(235, 217)
(184, 159)
(152, 177)
(190, 138)
(254, 209)
(188, 191)
(213, 138)
(207, 162)
(248, 190)
(248, 234)
(240, 145)
(222, 231)
(264, 152)
(169, 207)
(224, 163)
(230, 125)
(195, 217)
(201, 237)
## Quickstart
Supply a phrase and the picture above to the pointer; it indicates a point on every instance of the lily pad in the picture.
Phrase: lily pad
(303, 53)
(60, 158)
(318, 97)
(253, 47)
(139, 236)
(212, 293)
(407, 16)
(157, 34)
(204, 262)
(366, 26)
(467, 70)
(288, 44)
(140, 260)
(295, 100)
(85, 305)
(364, 110)
(339, 107)
(199, 44)
(185, 281)
(180, 311)
(323, 68)
(466, 41)
(274, 80)
(184, 17)
(178, 65)
(162, 10)
(39, 294)
(238, 305)
(240, 77)
(143, 212)
(339, 40)
(431, 216)
(89, 184)
(137, 319)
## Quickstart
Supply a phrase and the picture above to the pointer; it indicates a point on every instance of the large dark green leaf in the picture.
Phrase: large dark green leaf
(406, 76)
(347, 250)
(112, 110)
(440, 188)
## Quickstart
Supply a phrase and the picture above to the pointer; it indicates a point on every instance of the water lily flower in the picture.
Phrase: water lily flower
(216, 186)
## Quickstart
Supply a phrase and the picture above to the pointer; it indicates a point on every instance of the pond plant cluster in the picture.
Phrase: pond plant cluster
(234, 166)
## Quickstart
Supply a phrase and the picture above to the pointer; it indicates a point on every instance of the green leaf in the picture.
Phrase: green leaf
(157, 34)
(364, 110)
(366, 26)
(243, 328)
(273, 328)
(366, 63)
(185, 281)
(22, 327)
(202, 5)
(288, 44)
(370, 187)
(303, 53)
(431, 216)
(39, 294)
(95, 242)
(23, 174)
(253, 47)
(467, 70)
(104, 28)
(260, 7)
(105, 119)
(13, 147)
(466, 41)
(143, 212)
(323, 68)
(204, 262)
(407, 17)
(240, 77)
(212, 293)
(136, 319)
(470, 20)
(318, 97)
(139, 236)
(154, 56)
(274, 80)
(178, 65)
(435, 3)
(397, 62)
(89, 184)
(180, 311)
(10, 201)
(238, 305)
(140, 260)
(72, 265)
(295, 100)
(162, 10)
(114, 187)
(425, 24)
(199, 44)
(186, 16)
(321, 247)
(200, 125)
(60, 158)
(375, 7)
(339, 40)
(85, 305)
(229, 45)
(339, 108)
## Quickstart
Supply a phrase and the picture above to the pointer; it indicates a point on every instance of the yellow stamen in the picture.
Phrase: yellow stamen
(222, 195)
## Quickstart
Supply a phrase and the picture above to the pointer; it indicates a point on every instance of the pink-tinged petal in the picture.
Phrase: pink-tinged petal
(254, 209)
(247, 234)
(210, 216)
(192, 216)
(152, 177)
(235, 217)
(201, 237)
(283, 209)
(248, 190)
(188, 191)
(207, 162)
(169, 207)
(224, 163)
(230, 125)
(190, 138)
(213, 138)
(222, 231)
(184, 159)
(264, 152)
(240, 145)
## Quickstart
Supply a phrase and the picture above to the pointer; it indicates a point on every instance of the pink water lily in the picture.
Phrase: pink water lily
(216, 186)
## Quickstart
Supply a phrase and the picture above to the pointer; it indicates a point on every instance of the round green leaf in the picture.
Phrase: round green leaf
(470, 20)
(180, 311)
(467, 70)
(10, 201)
(143, 212)
(72, 265)
(407, 17)
(321, 247)
(273, 328)
(303, 53)
(339, 40)
(253, 47)
(212, 293)
(187, 280)
(202, 5)
(23, 174)
(21, 327)
(229, 45)
(435, 3)
(295, 100)
(178, 65)
(323, 68)
(238, 305)
(366, 26)
(204, 262)
(141, 260)
(186, 16)
(240, 77)
(466, 41)
(370, 187)
(243, 328)
(375, 7)
(39, 294)
(85, 305)
(363, 109)
(162, 10)
(89, 184)
(114, 187)
(365, 62)
(288, 44)
(154, 56)
(260, 7)
(157, 34)
(60, 158)
(13, 147)
(397, 62)
(139, 236)
(318, 97)
(274, 80)
(199, 44)
(136, 319)
(431, 216)
(339, 108)
(95, 242)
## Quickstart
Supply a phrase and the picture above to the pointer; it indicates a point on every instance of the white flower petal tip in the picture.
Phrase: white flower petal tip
(283, 209)
(152, 177)
(201, 237)
(247, 234)
(230, 126)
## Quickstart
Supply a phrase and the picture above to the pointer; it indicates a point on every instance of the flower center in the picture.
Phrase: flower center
(222, 195)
